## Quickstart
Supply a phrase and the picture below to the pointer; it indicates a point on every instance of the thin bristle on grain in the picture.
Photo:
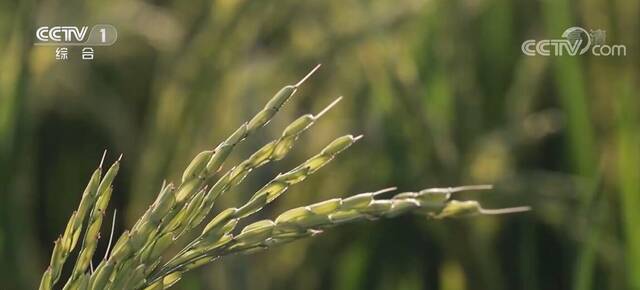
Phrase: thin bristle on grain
(329, 107)
(299, 83)
(385, 190)
(113, 226)
(104, 155)
(505, 210)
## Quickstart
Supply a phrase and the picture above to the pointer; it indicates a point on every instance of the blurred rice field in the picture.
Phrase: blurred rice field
(440, 89)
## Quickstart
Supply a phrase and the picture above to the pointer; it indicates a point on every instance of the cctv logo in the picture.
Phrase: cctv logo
(98, 35)
(577, 41)
(61, 33)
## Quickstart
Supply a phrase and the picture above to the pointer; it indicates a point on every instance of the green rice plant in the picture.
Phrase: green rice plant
(139, 257)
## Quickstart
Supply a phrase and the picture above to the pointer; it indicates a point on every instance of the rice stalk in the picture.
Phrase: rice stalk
(157, 227)
(272, 151)
(92, 233)
(67, 242)
(136, 260)
(307, 221)
(216, 233)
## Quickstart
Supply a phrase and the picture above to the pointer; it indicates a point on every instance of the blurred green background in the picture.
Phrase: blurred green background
(440, 89)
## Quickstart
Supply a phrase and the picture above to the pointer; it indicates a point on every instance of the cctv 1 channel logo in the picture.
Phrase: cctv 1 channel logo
(100, 35)
(63, 36)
